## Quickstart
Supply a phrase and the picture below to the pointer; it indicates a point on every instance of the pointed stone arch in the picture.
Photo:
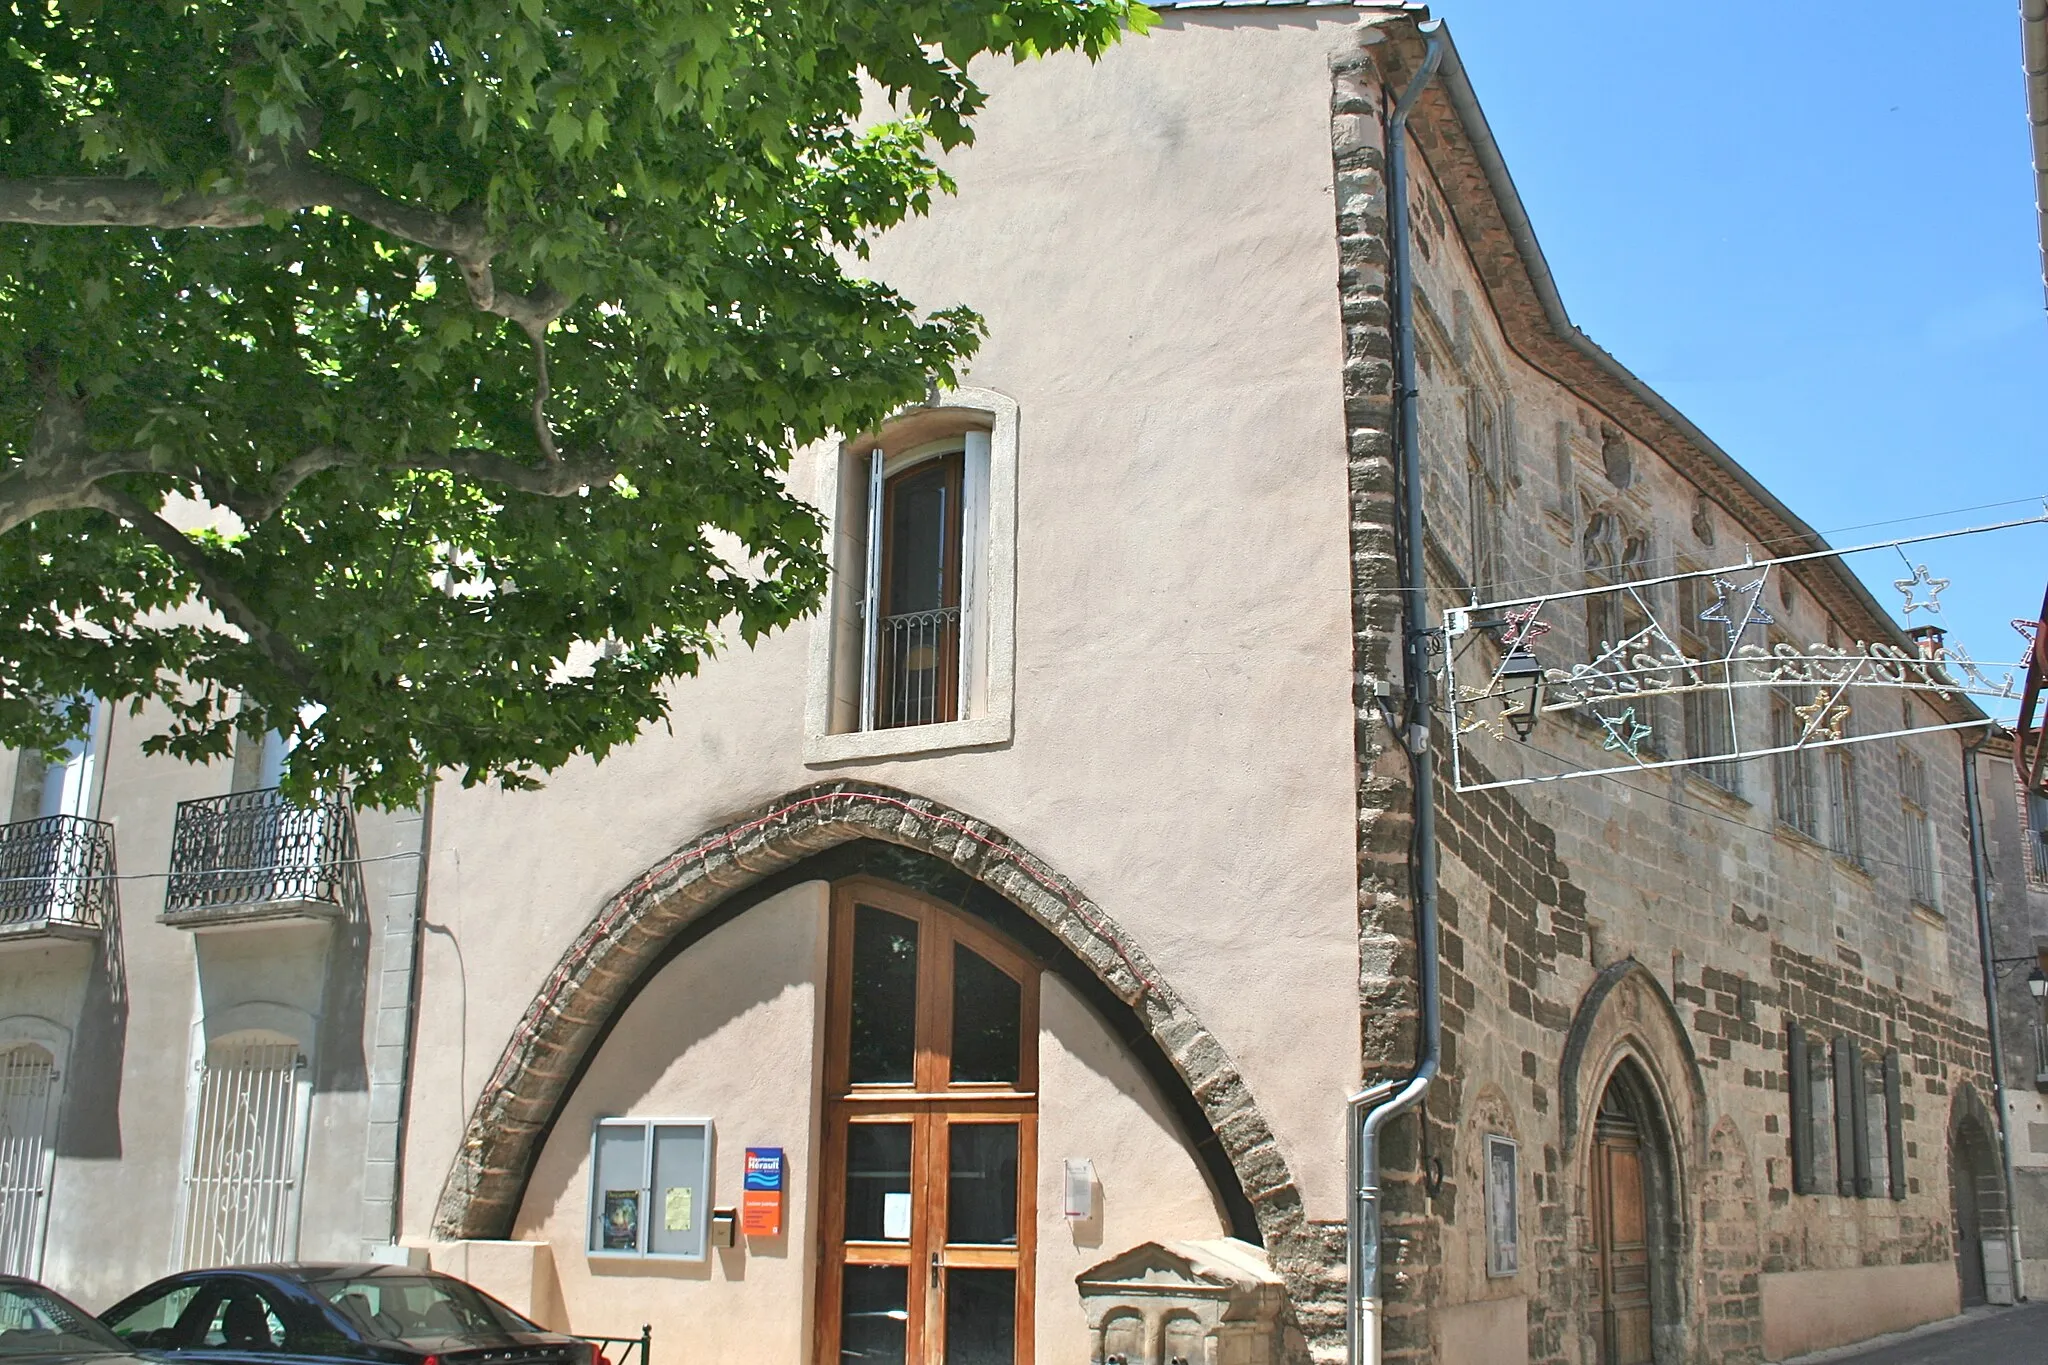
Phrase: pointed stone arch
(637, 930)
(1627, 1034)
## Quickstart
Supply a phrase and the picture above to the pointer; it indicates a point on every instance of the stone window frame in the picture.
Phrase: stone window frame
(1922, 847)
(1503, 1243)
(989, 589)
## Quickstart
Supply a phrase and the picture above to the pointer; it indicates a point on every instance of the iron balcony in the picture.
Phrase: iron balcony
(56, 878)
(257, 855)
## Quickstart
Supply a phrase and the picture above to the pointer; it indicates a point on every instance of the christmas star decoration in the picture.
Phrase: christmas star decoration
(1625, 733)
(1932, 606)
(1522, 627)
(1756, 615)
(1820, 720)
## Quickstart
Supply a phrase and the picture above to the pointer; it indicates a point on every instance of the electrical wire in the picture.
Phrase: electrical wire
(320, 865)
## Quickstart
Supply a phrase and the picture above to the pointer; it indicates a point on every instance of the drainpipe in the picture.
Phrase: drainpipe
(1979, 884)
(1372, 1108)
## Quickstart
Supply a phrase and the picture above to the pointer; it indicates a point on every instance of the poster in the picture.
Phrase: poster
(677, 1209)
(621, 1220)
(1503, 1232)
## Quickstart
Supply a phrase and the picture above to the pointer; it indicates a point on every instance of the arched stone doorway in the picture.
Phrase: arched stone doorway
(1633, 1108)
(1635, 1234)
(1977, 1203)
(828, 833)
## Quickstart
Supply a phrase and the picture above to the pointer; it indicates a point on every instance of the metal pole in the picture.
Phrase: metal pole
(1370, 1110)
(1980, 886)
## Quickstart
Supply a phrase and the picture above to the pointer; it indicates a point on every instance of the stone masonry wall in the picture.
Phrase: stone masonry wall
(1743, 924)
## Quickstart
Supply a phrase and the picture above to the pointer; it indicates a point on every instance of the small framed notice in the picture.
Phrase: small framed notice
(650, 1188)
(1503, 1208)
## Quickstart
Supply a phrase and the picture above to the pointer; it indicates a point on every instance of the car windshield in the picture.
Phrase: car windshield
(36, 1322)
(401, 1308)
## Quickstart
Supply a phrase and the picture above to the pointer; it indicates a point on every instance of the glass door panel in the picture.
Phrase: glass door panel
(878, 1182)
(883, 1046)
(981, 1186)
(987, 1020)
(981, 1317)
(874, 1326)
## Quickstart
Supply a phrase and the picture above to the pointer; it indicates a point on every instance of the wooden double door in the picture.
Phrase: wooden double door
(931, 1138)
(1621, 1222)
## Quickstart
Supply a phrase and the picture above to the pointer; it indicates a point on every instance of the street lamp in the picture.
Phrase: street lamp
(2037, 983)
(1521, 683)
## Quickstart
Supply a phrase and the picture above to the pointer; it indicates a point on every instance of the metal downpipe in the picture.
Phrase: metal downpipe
(1372, 1108)
(1973, 804)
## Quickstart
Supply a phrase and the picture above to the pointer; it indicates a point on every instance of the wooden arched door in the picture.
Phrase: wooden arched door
(931, 1137)
(1621, 1225)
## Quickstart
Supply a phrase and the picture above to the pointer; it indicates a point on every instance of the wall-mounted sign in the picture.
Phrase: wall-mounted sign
(761, 1192)
(650, 1187)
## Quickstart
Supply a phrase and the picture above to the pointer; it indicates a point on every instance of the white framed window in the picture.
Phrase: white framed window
(32, 1059)
(650, 1188)
(245, 1151)
(916, 649)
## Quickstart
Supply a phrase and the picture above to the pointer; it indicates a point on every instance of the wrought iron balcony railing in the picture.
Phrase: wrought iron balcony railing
(255, 854)
(56, 877)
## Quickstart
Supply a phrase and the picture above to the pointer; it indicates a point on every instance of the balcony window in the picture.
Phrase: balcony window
(260, 855)
(914, 677)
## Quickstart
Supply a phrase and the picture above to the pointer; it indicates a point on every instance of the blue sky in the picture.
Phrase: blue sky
(1811, 227)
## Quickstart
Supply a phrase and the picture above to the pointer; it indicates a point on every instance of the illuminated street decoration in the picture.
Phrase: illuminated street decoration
(1625, 732)
(1753, 612)
(1527, 674)
(1934, 586)
(1822, 716)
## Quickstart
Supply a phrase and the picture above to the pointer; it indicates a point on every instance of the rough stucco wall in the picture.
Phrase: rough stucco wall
(728, 1031)
(1096, 1106)
(1149, 241)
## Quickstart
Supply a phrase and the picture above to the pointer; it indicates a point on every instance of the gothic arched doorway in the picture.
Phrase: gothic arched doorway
(1977, 1201)
(1633, 1229)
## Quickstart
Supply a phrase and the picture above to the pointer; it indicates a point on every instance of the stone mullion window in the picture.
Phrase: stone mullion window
(1794, 799)
(1919, 834)
(1708, 720)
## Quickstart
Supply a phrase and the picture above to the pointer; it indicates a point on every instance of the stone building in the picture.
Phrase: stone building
(2016, 861)
(944, 970)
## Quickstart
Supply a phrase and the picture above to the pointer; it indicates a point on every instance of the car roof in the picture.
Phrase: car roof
(322, 1270)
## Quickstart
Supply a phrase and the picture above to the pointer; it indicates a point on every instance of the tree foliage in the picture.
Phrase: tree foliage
(417, 376)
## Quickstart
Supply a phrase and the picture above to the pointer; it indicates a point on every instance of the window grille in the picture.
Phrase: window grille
(1919, 840)
(248, 1145)
(1796, 801)
(28, 1088)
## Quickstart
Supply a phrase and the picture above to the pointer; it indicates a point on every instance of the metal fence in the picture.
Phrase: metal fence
(258, 848)
(625, 1350)
(28, 1086)
(56, 870)
(920, 682)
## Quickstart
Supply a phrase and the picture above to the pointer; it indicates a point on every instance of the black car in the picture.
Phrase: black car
(42, 1326)
(283, 1313)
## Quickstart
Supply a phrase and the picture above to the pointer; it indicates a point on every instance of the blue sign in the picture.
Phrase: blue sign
(764, 1169)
